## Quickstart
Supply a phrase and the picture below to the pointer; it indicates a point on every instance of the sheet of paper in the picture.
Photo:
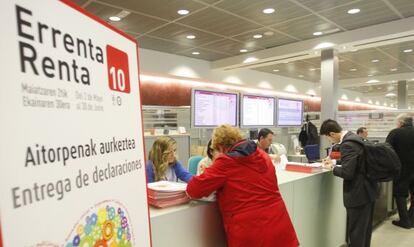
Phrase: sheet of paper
(283, 162)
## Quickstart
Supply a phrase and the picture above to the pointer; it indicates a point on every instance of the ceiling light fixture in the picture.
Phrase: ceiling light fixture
(243, 50)
(375, 60)
(191, 37)
(257, 36)
(317, 33)
(369, 101)
(353, 69)
(323, 45)
(250, 60)
(269, 10)
(394, 69)
(370, 75)
(390, 95)
(353, 11)
(268, 33)
(195, 53)
(114, 18)
(408, 50)
(183, 12)
(276, 70)
(372, 81)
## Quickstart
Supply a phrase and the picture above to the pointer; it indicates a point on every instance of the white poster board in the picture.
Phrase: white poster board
(72, 169)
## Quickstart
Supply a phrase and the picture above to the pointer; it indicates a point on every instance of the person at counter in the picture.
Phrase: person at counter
(359, 193)
(162, 163)
(206, 161)
(253, 211)
(264, 142)
(363, 133)
(402, 140)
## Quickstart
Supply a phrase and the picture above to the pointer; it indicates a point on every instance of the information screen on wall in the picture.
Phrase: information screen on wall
(257, 111)
(72, 169)
(290, 112)
(213, 108)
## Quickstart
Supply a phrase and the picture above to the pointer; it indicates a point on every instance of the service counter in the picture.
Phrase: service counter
(314, 202)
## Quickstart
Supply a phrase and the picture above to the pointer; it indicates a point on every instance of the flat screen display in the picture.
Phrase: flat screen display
(213, 108)
(290, 112)
(257, 111)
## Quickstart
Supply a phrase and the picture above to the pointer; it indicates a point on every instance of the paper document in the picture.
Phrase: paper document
(283, 162)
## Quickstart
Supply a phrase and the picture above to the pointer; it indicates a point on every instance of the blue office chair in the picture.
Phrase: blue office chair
(312, 152)
(193, 163)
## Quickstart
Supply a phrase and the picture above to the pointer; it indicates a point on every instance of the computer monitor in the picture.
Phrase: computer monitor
(210, 109)
(257, 111)
(289, 112)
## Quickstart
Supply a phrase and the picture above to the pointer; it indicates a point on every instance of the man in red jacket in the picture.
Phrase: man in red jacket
(244, 177)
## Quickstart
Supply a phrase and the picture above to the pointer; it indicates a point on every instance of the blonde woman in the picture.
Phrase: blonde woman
(253, 211)
(162, 163)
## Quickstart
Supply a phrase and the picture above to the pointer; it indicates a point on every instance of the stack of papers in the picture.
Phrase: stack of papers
(304, 167)
(164, 194)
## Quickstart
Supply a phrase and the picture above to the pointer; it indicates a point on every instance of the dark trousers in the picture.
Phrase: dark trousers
(359, 225)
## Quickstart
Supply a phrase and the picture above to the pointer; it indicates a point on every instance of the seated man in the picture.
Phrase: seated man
(264, 142)
(363, 133)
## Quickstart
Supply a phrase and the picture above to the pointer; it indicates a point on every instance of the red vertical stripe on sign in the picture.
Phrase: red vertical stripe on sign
(1, 239)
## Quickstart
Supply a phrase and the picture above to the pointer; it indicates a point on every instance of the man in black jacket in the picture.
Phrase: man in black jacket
(359, 193)
(402, 140)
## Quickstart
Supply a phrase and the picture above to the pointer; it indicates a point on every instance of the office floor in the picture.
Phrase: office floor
(388, 235)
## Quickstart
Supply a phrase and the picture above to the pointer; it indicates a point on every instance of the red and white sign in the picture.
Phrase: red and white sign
(72, 169)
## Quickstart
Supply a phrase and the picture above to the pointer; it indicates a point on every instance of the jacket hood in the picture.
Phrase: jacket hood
(353, 137)
(247, 154)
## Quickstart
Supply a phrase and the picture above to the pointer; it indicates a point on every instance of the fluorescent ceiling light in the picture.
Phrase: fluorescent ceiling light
(408, 50)
(377, 102)
(257, 36)
(369, 101)
(317, 33)
(114, 18)
(394, 69)
(195, 53)
(269, 10)
(250, 60)
(390, 95)
(323, 45)
(375, 60)
(268, 33)
(183, 12)
(311, 92)
(372, 81)
(370, 75)
(353, 69)
(191, 37)
(291, 88)
(276, 70)
(353, 11)
(357, 99)
(344, 97)
(243, 50)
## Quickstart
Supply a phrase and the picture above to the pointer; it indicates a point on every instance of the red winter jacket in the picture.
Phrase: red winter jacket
(253, 210)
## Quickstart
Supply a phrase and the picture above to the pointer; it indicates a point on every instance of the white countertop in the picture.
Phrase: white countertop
(283, 177)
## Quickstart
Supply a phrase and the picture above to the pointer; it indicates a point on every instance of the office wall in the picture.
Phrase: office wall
(164, 64)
